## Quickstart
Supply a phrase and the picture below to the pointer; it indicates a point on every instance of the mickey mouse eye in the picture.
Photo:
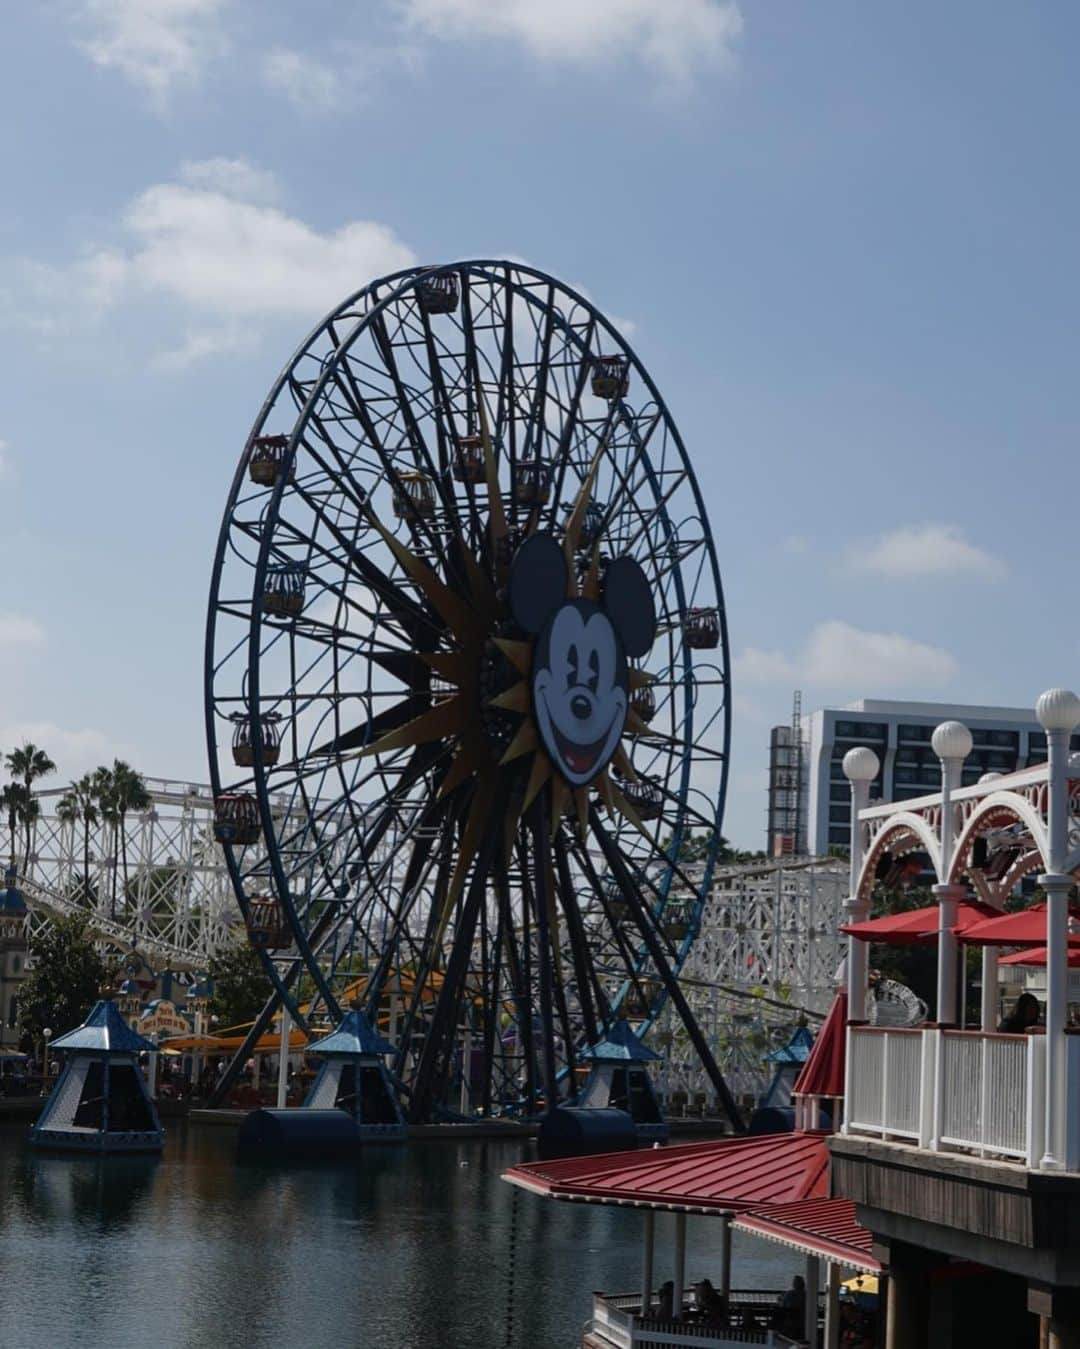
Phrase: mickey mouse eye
(594, 670)
(572, 663)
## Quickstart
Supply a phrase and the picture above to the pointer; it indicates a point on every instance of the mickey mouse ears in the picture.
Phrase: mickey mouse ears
(538, 587)
(537, 581)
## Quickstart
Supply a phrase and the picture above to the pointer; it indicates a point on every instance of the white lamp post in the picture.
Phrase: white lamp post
(860, 768)
(46, 1036)
(952, 743)
(1058, 711)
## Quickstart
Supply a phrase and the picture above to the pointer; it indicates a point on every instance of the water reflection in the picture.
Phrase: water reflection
(405, 1249)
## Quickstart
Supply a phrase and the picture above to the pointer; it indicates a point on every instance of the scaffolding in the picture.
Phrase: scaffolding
(785, 828)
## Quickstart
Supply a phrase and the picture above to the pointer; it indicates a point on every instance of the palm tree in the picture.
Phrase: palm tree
(129, 793)
(29, 763)
(11, 800)
(84, 794)
(105, 790)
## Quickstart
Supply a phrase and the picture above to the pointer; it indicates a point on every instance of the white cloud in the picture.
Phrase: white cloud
(349, 73)
(309, 84)
(210, 246)
(671, 37)
(849, 659)
(232, 178)
(927, 550)
(156, 44)
(5, 460)
(18, 630)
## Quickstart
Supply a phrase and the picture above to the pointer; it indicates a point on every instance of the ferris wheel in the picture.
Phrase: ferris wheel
(467, 683)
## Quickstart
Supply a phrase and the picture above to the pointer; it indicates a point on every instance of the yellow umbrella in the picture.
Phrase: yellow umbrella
(862, 1283)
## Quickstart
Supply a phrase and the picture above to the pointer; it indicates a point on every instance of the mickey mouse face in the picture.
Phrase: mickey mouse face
(580, 677)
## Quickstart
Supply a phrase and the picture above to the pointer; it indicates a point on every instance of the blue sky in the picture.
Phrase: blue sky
(844, 236)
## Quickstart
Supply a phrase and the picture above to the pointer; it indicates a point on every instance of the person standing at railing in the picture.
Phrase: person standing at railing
(1024, 1017)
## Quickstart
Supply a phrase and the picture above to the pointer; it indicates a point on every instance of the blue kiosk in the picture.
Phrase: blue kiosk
(352, 1101)
(619, 1079)
(100, 1102)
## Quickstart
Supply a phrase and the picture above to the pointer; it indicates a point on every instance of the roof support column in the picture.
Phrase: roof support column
(948, 954)
(725, 1257)
(832, 1305)
(679, 1277)
(1059, 711)
(810, 1307)
(860, 768)
(647, 1262)
(990, 1015)
(952, 744)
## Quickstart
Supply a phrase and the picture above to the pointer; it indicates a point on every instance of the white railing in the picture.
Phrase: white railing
(616, 1320)
(886, 1067)
(945, 1089)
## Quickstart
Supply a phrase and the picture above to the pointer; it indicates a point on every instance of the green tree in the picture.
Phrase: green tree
(28, 763)
(82, 802)
(12, 799)
(128, 793)
(240, 985)
(65, 982)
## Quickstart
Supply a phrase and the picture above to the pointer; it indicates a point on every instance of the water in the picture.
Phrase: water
(407, 1249)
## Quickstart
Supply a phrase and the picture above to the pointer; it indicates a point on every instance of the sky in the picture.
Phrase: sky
(843, 236)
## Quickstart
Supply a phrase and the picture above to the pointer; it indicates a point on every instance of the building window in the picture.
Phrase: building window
(914, 734)
(861, 730)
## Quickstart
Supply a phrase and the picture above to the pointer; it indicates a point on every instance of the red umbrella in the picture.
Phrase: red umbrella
(1036, 955)
(918, 926)
(823, 1072)
(1026, 927)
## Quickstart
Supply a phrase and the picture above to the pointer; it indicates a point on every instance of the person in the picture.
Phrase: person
(711, 1304)
(1024, 1016)
(665, 1306)
(791, 1313)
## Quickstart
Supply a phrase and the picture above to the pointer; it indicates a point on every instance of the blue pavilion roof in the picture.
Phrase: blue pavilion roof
(797, 1049)
(354, 1035)
(622, 1046)
(104, 1032)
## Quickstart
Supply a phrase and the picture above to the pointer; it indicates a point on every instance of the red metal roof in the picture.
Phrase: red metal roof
(918, 926)
(730, 1175)
(825, 1227)
(823, 1072)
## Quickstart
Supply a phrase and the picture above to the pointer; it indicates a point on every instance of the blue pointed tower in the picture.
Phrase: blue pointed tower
(100, 1102)
(352, 1100)
(619, 1079)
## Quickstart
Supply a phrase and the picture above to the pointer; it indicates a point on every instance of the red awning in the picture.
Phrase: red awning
(918, 925)
(823, 1227)
(1026, 927)
(823, 1072)
(728, 1176)
(1036, 955)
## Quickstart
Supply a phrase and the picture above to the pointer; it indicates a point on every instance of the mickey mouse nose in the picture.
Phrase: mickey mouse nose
(580, 706)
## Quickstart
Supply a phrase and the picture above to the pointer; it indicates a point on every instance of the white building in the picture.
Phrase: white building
(1005, 739)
